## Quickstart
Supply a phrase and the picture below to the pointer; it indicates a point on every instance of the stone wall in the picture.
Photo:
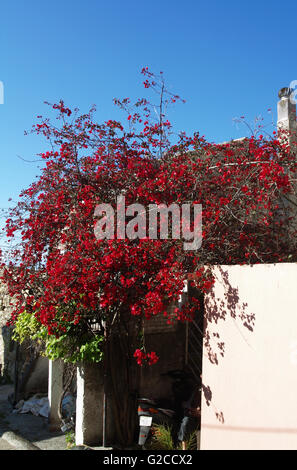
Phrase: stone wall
(7, 346)
(7, 355)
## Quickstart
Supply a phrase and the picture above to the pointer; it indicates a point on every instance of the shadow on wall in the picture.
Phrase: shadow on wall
(217, 310)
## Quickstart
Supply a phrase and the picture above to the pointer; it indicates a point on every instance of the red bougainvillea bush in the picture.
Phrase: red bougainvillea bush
(70, 280)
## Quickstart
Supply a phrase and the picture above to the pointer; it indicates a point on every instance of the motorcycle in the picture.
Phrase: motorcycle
(154, 412)
(149, 411)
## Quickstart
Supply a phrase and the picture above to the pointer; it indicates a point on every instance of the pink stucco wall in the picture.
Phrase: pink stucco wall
(250, 359)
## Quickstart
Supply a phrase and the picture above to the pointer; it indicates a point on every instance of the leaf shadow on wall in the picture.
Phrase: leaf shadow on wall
(217, 310)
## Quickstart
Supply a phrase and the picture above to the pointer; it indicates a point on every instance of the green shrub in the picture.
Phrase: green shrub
(70, 439)
(72, 346)
(162, 439)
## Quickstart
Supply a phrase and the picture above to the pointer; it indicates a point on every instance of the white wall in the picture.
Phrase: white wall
(250, 379)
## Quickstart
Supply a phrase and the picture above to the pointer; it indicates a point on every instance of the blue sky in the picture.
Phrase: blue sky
(226, 58)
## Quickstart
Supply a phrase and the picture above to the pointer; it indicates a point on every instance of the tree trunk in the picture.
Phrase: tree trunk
(123, 381)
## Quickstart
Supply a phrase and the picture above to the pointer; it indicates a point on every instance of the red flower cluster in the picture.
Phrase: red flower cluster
(141, 357)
